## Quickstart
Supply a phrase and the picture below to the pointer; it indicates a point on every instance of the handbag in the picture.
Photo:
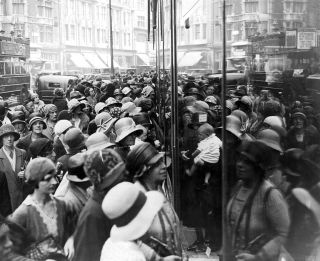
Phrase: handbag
(46, 248)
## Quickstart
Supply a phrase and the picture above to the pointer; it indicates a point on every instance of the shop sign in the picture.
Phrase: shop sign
(9, 48)
(306, 40)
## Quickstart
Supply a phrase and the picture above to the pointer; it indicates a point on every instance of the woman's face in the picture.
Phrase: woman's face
(91, 91)
(129, 140)
(53, 115)
(298, 123)
(158, 172)
(19, 127)
(48, 184)
(37, 127)
(245, 169)
(210, 90)
(8, 140)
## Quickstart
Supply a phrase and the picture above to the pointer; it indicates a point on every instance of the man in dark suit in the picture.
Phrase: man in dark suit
(12, 162)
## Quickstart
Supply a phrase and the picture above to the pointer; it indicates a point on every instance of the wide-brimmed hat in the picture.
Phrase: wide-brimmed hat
(104, 121)
(211, 100)
(98, 141)
(74, 103)
(131, 210)
(99, 107)
(126, 90)
(233, 125)
(112, 101)
(7, 129)
(270, 138)
(62, 126)
(198, 106)
(75, 168)
(35, 119)
(142, 154)
(104, 168)
(18, 117)
(310, 199)
(245, 100)
(75, 139)
(124, 127)
(130, 108)
(276, 123)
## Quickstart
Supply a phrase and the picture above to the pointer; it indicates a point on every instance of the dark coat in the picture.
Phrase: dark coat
(61, 103)
(24, 143)
(92, 230)
(14, 183)
(5, 203)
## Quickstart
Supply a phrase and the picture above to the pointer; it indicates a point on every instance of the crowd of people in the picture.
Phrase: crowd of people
(88, 177)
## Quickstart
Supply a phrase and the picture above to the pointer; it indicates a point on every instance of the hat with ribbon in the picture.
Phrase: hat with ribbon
(124, 127)
(139, 156)
(74, 103)
(129, 108)
(130, 210)
(35, 119)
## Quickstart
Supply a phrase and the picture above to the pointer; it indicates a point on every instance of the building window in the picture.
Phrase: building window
(46, 34)
(18, 7)
(197, 32)
(104, 13)
(98, 36)
(204, 31)
(251, 6)
(103, 36)
(141, 21)
(89, 35)
(296, 25)
(67, 32)
(141, 4)
(45, 8)
(294, 7)
(229, 32)
(2, 7)
(251, 28)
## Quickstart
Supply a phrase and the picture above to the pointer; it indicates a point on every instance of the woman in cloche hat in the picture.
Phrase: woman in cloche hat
(36, 126)
(40, 214)
(257, 214)
(133, 215)
(147, 169)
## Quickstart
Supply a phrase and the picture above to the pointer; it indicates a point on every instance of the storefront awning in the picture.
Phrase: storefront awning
(190, 59)
(94, 60)
(105, 57)
(144, 58)
(79, 61)
(179, 57)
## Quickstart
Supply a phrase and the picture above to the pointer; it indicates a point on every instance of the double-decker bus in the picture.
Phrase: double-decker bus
(14, 76)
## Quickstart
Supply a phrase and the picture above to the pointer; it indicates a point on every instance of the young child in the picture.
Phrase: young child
(207, 152)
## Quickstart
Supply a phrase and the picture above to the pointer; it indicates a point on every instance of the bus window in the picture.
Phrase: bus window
(2, 65)
(8, 68)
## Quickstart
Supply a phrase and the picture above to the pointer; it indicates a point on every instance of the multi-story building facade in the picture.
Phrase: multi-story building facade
(74, 34)
(200, 45)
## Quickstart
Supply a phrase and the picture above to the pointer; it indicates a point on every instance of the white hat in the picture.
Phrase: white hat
(131, 210)
(99, 107)
(126, 90)
(130, 108)
(124, 127)
(97, 141)
(61, 126)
